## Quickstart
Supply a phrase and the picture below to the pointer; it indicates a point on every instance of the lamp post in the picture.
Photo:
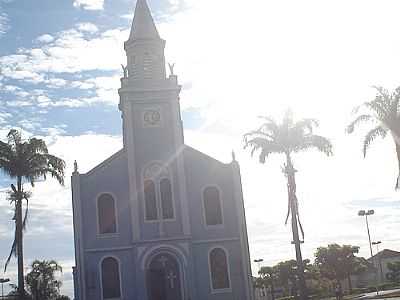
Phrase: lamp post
(363, 213)
(259, 261)
(379, 258)
(3, 281)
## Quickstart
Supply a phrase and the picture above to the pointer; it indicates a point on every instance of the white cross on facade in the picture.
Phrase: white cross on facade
(163, 260)
(171, 277)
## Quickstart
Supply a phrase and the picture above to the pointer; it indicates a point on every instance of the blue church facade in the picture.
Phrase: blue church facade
(158, 220)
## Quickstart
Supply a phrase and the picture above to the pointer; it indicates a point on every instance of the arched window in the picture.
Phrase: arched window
(166, 199)
(159, 203)
(212, 206)
(219, 269)
(110, 278)
(150, 200)
(106, 214)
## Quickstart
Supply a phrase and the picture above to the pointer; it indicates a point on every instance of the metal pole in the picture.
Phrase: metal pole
(372, 258)
(380, 263)
(369, 236)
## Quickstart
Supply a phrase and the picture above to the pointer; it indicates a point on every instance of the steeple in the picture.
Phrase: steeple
(143, 26)
(144, 48)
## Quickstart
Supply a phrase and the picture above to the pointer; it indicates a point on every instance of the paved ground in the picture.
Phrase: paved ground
(372, 296)
(381, 293)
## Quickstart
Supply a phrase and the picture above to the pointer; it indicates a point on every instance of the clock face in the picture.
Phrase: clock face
(152, 118)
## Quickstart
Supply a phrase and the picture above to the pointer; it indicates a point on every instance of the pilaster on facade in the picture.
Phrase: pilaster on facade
(78, 230)
(238, 194)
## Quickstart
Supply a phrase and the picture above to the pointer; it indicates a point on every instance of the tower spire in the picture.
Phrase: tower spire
(143, 26)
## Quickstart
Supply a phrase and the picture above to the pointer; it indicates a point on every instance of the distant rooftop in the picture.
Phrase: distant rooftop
(386, 253)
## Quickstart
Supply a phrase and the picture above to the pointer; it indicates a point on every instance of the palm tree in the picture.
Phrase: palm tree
(26, 160)
(384, 111)
(42, 281)
(288, 137)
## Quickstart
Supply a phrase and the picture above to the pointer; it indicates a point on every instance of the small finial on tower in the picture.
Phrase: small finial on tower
(125, 70)
(233, 155)
(171, 68)
(75, 167)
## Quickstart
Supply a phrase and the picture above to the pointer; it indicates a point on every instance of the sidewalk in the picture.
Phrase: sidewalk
(380, 295)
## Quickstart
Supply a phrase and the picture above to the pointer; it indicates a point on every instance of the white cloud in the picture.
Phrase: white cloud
(87, 27)
(71, 52)
(89, 4)
(45, 38)
(3, 23)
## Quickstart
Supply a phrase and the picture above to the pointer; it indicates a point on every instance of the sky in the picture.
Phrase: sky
(236, 60)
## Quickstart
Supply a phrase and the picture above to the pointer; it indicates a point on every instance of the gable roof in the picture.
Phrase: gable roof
(106, 162)
(386, 253)
(204, 156)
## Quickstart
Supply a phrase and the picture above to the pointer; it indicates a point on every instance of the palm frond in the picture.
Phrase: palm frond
(25, 220)
(13, 252)
(309, 124)
(267, 147)
(14, 138)
(358, 120)
(318, 142)
(378, 131)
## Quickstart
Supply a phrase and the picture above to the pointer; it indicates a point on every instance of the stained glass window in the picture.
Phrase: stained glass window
(219, 269)
(106, 214)
(150, 200)
(110, 278)
(166, 199)
(212, 206)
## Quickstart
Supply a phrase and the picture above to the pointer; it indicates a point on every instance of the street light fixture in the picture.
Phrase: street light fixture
(3, 281)
(259, 261)
(363, 213)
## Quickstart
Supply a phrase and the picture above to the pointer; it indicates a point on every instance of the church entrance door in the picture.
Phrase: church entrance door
(163, 278)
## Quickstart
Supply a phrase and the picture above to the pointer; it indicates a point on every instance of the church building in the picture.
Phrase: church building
(158, 220)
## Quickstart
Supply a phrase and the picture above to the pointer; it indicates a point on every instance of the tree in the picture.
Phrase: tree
(25, 161)
(394, 271)
(267, 279)
(63, 298)
(384, 111)
(286, 274)
(288, 137)
(337, 262)
(41, 280)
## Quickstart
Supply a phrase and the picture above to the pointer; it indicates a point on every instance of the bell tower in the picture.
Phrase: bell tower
(145, 48)
(149, 101)
(152, 125)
